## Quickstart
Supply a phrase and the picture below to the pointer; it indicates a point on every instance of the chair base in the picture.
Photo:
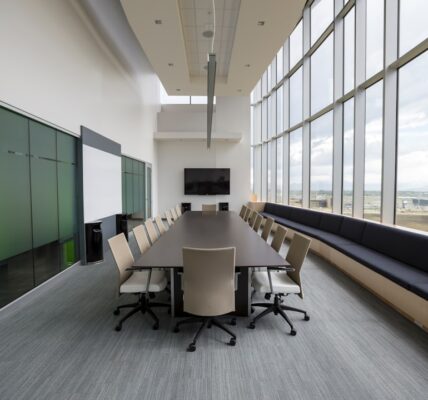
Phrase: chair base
(145, 306)
(206, 322)
(277, 308)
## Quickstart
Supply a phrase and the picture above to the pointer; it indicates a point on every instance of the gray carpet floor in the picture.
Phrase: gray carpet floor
(58, 343)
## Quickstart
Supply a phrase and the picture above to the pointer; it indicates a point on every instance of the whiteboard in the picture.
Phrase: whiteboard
(102, 184)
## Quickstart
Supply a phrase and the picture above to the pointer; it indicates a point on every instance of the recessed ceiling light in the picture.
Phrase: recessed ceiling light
(205, 67)
(260, 23)
(170, 64)
(247, 65)
(208, 34)
(177, 90)
(239, 90)
(158, 21)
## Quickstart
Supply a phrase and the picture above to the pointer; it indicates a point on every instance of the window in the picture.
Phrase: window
(272, 114)
(280, 64)
(374, 42)
(296, 44)
(265, 83)
(321, 17)
(257, 123)
(269, 77)
(412, 160)
(264, 171)
(279, 111)
(269, 171)
(279, 169)
(348, 157)
(264, 119)
(252, 169)
(413, 23)
(296, 97)
(322, 76)
(296, 170)
(322, 163)
(373, 152)
(349, 51)
(257, 171)
(166, 99)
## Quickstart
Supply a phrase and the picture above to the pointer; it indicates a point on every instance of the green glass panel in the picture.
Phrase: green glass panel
(149, 192)
(42, 140)
(13, 132)
(66, 147)
(123, 193)
(136, 193)
(15, 205)
(67, 202)
(69, 253)
(123, 164)
(128, 165)
(142, 169)
(135, 167)
(44, 201)
(129, 194)
(143, 192)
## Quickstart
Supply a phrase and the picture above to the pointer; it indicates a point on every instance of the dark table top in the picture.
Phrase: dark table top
(210, 230)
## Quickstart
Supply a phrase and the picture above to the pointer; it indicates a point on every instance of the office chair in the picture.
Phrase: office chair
(282, 281)
(174, 214)
(161, 226)
(169, 217)
(278, 238)
(209, 288)
(178, 210)
(141, 238)
(139, 283)
(151, 230)
(209, 207)
(247, 214)
(258, 222)
(242, 212)
(252, 218)
(267, 228)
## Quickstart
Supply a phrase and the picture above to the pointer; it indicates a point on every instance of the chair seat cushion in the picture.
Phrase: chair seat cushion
(281, 282)
(137, 282)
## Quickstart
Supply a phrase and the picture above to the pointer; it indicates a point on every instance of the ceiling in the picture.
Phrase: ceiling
(248, 34)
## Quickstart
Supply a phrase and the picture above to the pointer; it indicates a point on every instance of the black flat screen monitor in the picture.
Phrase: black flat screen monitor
(206, 181)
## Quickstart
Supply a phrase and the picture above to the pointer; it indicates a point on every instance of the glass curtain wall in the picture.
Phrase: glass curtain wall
(355, 90)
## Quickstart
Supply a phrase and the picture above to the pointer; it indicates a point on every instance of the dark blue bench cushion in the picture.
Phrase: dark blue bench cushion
(331, 223)
(278, 210)
(397, 271)
(352, 229)
(408, 247)
(420, 289)
(306, 217)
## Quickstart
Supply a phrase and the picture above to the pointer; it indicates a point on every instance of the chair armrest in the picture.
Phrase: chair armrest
(137, 268)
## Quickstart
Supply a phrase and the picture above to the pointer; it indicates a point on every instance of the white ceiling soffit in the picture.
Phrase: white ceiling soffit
(176, 46)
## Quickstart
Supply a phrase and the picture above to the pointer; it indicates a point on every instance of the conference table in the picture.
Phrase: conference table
(211, 230)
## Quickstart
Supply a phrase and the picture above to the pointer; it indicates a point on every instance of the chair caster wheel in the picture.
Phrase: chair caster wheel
(176, 329)
(267, 296)
(169, 311)
(116, 312)
(151, 295)
(251, 325)
(307, 318)
(232, 342)
(252, 310)
(118, 328)
(209, 326)
(233, 322)
(155, 326)
(293, 332)
(191, 348)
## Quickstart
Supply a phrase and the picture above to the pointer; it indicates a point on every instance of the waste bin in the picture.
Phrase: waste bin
(122, 224)
(94, 242)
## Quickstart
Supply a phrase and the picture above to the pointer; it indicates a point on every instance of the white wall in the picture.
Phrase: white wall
(53, 65)
(232, 115)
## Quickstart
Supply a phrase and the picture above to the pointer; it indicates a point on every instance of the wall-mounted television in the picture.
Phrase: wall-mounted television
(206, 181)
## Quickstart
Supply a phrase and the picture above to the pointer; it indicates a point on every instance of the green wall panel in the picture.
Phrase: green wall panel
(42, 140)
(129, 194)
(128, 164)
(67, 202)
(66, 148)
(149, 192)
(44, 201)
(136, 193)
(123, 193)
(15, 205)
(13, 132)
